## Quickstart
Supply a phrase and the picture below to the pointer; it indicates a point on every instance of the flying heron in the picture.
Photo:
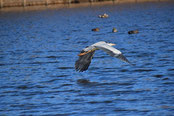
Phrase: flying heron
(87, 53)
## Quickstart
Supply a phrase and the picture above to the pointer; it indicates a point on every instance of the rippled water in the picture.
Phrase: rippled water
(38, 50)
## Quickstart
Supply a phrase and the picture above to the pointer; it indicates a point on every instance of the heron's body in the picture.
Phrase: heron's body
(87, 53)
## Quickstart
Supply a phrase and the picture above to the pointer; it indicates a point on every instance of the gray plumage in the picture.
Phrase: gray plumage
(87, 53)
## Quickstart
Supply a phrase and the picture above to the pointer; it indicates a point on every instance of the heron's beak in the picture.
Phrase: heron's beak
(111, 44)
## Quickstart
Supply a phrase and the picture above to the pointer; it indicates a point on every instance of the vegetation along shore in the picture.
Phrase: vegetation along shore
(28, 3)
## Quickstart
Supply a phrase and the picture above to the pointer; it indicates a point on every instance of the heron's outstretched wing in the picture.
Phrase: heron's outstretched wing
(112, 52)
(84, 61)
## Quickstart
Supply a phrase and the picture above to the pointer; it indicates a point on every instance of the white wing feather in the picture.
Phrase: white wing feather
(111, 51)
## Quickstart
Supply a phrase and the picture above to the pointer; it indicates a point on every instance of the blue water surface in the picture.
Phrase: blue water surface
(38, 50)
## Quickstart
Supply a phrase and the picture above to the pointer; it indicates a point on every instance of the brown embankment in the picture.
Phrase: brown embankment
(10, 5)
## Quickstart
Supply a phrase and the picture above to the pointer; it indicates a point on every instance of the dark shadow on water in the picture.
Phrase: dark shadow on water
(86, 82)
(83, 81)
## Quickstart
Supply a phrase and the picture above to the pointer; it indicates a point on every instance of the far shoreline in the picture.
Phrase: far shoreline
(75, 5)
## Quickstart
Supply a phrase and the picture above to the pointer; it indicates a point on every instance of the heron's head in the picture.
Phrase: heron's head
(111, 44)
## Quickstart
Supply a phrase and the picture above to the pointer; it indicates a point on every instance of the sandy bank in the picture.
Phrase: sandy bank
(73, 5)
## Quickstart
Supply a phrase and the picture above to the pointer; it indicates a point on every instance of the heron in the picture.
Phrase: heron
(87, 54)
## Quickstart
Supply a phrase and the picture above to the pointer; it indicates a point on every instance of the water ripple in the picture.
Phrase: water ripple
(38, 50)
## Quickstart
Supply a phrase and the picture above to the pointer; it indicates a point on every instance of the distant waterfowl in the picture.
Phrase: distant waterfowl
(133, 32)
(87, 53)
(114, 30)
(95, 29)
(103, 16)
